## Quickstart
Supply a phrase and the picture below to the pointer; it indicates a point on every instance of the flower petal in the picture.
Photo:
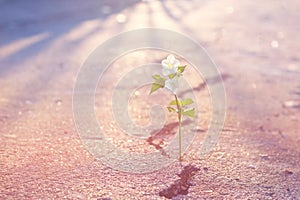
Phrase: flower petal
(170, 65)
(173, 70)
(171, 58)
(172, 85)
(165, 63)
(166, 71)
(176, 63)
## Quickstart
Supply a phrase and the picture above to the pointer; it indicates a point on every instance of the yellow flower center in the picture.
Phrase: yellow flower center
(170, 66)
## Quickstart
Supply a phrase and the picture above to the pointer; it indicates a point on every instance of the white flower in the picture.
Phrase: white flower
(170, 65)
(172, 85)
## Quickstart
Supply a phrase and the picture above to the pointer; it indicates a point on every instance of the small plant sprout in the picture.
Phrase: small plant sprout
(172, 71)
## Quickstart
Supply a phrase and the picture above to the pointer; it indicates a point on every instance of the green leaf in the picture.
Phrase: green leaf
(190, 113)
(156, 77)
(173, 102)
(171, 76)
(161, 81)
(155, 86)
(171, 109)
(181, 69)
(187, 101)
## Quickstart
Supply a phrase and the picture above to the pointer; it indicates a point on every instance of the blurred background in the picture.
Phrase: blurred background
(255, 45)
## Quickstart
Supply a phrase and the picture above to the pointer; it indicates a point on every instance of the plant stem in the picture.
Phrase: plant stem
(179, 125)
(179, 129)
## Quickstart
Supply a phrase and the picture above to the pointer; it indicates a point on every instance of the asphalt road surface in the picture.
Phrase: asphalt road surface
(255, 46)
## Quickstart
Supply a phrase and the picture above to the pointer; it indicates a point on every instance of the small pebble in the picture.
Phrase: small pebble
(264, 156)
(287, 172)
(274, 44)
(58, 102)
(252, 166)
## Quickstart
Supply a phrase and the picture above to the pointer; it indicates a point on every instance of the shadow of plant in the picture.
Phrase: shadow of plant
(159, 137)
